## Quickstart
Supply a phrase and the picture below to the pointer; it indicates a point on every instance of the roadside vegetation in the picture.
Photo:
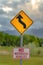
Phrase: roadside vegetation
(12, 40)
(8, 42)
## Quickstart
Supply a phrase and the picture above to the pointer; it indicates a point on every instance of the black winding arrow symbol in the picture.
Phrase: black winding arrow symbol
(19, 19)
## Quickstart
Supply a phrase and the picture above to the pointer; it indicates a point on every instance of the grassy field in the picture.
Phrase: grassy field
(7, 59)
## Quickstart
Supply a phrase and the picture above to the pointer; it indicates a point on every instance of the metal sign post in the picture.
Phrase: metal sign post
(21, 45)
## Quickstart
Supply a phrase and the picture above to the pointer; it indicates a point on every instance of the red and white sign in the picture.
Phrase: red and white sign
(21, 53)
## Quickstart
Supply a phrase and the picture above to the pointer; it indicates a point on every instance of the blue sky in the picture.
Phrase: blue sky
(9, 8)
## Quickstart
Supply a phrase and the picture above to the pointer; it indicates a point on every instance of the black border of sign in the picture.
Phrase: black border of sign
(27, 27)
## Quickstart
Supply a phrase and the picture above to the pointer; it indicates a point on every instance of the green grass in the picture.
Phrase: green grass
(8, 59)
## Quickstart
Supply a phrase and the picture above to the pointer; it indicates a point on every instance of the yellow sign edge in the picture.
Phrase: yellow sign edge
(26, 28)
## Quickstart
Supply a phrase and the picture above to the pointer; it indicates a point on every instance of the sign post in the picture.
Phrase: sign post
(21, 45)
(21, 22)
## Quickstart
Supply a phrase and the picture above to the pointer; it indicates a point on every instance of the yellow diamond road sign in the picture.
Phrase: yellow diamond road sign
(21, 21)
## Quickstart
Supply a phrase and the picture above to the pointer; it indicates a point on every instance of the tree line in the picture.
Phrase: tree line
(12, 40)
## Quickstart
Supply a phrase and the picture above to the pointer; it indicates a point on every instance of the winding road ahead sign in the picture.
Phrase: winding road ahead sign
(21, 21)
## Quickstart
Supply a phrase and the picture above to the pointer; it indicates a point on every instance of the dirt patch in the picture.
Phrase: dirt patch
(3, 52)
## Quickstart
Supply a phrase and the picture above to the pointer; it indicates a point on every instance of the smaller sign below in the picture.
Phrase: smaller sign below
(21, 53)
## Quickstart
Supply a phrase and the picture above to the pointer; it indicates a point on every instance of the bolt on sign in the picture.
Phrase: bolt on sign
(21, 21)
(21, 53)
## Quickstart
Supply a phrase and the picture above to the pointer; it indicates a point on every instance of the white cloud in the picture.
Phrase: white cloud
(17, 0)
(11, 1)
(6, 16)
(7, 9)
(0, 25)
(30, 7)
(35, 4)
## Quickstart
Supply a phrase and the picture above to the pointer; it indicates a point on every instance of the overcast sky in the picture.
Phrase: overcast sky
(9, 8)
